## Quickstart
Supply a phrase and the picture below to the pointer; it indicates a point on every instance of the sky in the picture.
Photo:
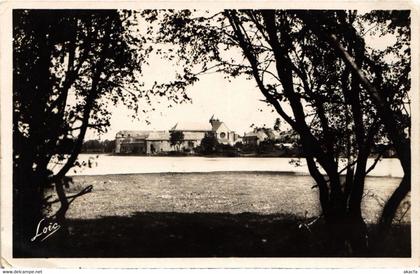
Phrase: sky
(237, 103)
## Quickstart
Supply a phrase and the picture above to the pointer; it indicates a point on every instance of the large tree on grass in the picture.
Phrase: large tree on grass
(68, 66)
(316, 70)
(390, 96)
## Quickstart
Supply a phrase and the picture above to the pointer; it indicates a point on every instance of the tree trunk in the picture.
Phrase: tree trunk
(346, 233)
(62, 237)
(394, 202)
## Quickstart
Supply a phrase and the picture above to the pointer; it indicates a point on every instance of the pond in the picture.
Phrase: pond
(103, 164)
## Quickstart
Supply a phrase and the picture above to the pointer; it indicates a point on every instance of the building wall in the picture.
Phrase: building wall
(192, 139)
(190, 144)
(129, 142)
(143, 146)
(155, 147)
(118, 144)
(224, 135)
(194, 135)
(251, 140)
(138, 141)
(158, 146)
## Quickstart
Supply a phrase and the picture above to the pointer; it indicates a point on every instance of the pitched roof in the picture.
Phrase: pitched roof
(193, 136)
(191, 126)
(273, 135)
(259, 134)
(251, 134)
(158, 136)
(135, 133)
(216, 124)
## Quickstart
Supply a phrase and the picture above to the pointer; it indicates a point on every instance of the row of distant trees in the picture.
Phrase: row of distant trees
(286, 145)
(210, 146)
(98, 146)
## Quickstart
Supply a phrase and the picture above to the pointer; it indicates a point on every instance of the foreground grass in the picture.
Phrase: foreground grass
(211, 214)
(168, 234)
(214, 192)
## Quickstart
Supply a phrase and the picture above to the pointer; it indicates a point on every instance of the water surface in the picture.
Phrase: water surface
(108, 164)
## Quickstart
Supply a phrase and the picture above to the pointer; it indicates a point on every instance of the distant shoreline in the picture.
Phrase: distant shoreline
(206, 156)
(292, 173)
(262, 172)
(98, 164)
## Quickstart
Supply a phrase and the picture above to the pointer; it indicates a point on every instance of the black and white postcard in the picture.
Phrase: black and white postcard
(210, 134)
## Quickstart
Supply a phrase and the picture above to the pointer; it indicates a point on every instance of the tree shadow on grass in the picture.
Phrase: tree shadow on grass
(169, 234)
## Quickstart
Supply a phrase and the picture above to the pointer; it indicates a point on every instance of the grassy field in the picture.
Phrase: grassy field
(206, 214)
(222, 192)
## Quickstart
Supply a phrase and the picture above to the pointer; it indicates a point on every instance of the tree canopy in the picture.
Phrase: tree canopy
(325, 76)
(69, 66)
(176, 138)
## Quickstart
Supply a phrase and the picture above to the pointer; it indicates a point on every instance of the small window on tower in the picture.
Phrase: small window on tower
(222, 135)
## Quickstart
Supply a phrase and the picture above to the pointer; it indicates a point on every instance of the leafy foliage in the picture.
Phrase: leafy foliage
(68, 67)
(176, 138)
(208, 144)
(107, 146)
(340, 93)
(82, 61)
